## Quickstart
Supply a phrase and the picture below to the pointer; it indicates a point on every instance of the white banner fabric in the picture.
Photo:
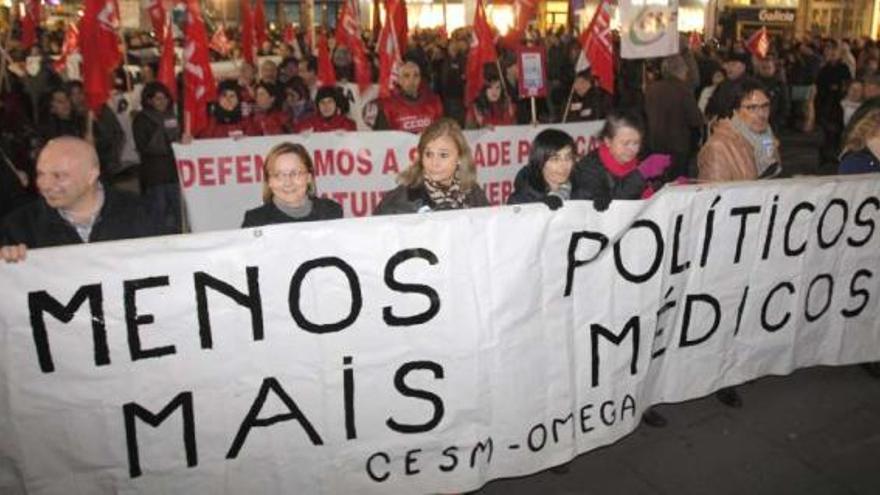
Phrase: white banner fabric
(418, 353)
(353, 168)
(648, 29)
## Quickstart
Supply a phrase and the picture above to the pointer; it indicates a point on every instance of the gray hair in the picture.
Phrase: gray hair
(674, 67)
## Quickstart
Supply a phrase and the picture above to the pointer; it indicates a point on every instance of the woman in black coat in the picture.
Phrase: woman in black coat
(154, 128)
(289, 190)
(547, 176)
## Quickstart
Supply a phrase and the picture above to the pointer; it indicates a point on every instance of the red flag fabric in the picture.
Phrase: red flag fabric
(326, 73)
(29, 23)
(289, 34)
(389, 54)
(695, 41)
(246, 25)
(260, 34)
(198, 80)
(166, 63)
(71, 44)
(100, 50)
(400, 22)
(219, 42)
(157, 17)
(759, 43)
(525, 12)
(596, 44)
(348, 33)
(482, 52)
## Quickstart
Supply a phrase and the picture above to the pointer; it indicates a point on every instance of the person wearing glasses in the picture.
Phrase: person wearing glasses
(742, 147)
(289, 190)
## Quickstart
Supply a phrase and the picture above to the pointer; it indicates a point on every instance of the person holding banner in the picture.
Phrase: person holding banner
(227, 119)
(329, 116)
(546, 178)
(443, 177)
(74, 207)
(612, 170)
(588, 101)
(289, 190)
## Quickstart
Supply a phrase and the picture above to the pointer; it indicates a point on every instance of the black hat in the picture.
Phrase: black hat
(227, 85)
(327, 92)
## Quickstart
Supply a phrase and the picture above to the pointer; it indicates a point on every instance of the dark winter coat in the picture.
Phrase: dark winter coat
(859, 162)
(269, 214)
(591, 180)
(153, 134)
(403, 199)
(672, 116)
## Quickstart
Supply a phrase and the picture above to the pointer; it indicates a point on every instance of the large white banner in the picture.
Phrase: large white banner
(353, 168)
(648, 28)
(418, 353)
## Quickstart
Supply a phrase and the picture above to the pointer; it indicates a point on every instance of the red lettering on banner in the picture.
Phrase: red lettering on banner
(242, 169)
(258, 167)
(187, 172)
(390, 165)
(224, 166)
(498, 192)
(365, 162)
(523, 149)
(479, 161)
(492, 154)
(206, 172)
(345, 161)
(324, 164)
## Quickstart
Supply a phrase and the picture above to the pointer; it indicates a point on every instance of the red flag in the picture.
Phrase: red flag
(326, 73)
(759, 43)
(525, 12)
(166, 63)
(246, 25)
(289, 34)
(71, 44)
(29, 23)
(695, 41)
(400, 22)
(100, 49)
(348, 33)
(482, 52)
(389, 54)
(596, 44)
(260, 23)
(157, 17)
(198, 80)
(219, 42)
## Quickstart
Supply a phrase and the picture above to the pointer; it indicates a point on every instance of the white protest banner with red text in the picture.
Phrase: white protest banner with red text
(222, 178)
(418, 353)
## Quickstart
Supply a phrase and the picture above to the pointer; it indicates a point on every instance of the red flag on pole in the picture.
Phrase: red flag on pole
(219, 42)
(596, 44)
(246, 25)
(389, 54)
(326, 73)
(29, 23)
(157, 17)
(260, 23)
(400, 22)
(198, 80)
(71, 44)
(166, 74)
(525, 12)
(348, 33)
(759, 43)
(289, 34)
(100, 50)
(482, 52)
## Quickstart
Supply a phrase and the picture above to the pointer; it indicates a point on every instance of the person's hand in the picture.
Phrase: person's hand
(14, 253)
(186, 139)
(552, 201)
(602, 199)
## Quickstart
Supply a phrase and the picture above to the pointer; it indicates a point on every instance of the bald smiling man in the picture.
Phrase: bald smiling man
(74, 208)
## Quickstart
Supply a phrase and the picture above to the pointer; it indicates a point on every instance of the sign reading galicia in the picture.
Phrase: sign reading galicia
(776, 15)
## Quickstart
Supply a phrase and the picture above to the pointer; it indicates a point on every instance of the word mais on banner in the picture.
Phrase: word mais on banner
(420, 353)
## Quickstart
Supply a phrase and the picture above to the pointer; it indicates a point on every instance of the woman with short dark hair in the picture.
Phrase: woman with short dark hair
(548, 172)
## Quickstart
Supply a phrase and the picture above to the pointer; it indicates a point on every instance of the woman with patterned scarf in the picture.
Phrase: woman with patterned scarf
(443, 177)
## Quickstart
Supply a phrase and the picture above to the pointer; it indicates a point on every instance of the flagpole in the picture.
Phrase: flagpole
(568, 104)
(534, 112)
(6, 60)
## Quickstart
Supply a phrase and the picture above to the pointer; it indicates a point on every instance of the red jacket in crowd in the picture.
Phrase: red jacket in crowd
(403, 113)
(217, 130)
(271, 123)
(317, 123)
(496, 115)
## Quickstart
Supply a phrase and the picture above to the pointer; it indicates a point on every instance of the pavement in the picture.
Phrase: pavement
(816, 431)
